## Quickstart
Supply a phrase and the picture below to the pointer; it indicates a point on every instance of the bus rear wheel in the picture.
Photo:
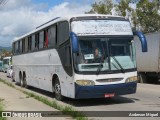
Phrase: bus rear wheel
(21, 80)
(57, 90)
(25, 81)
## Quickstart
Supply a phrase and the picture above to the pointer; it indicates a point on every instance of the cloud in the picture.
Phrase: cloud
(21, 16)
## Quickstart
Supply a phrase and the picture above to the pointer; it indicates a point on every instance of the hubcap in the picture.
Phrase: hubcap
(57, 89)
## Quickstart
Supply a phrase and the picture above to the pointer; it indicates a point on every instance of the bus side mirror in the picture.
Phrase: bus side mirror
(143, 40)
(74, 42)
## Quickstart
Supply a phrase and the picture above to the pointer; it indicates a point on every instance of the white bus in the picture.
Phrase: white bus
(6, 63)
(58, 56)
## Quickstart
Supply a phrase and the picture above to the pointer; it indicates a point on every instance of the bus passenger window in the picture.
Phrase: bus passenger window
(41, 39)
(29, 44)
(52, 36)
(20, 50)
(46, 39)
(33, 42)
(26, 44)
(37, 42)
(23, 45)
(16, 48)
(63, 32)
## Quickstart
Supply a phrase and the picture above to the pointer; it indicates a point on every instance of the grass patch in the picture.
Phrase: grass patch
(66, 110)
(7, 83)
(1, 109)
(75, 114)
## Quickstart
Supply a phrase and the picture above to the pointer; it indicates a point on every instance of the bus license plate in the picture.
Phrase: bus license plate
(109, 95)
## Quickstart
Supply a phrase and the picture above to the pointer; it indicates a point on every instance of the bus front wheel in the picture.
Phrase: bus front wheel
(57, 90)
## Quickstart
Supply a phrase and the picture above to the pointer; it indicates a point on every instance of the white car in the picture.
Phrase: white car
(10, 71)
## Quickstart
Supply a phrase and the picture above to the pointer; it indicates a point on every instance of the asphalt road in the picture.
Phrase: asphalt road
(147, 98)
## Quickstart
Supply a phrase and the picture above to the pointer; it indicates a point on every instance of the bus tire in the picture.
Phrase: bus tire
(21, 80)
(57, 90)
(25, 81)
(142, 78)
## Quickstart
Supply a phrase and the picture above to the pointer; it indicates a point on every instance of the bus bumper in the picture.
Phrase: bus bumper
(100, 91)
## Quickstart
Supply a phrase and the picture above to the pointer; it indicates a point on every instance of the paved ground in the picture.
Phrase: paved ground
(147, 98)
(15, 100)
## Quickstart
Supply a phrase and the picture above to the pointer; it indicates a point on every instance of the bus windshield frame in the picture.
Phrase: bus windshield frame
(110, 48)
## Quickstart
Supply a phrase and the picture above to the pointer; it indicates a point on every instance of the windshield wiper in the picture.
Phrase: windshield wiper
(123, 71)
(100, 65)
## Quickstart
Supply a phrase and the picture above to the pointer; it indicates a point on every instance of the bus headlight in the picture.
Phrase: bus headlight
(85, 82)
(131, 79)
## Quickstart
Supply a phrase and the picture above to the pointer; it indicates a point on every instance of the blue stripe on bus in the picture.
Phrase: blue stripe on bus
(99, 91)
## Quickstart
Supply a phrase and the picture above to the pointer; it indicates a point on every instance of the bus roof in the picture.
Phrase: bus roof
(68, 18)
(7, 57)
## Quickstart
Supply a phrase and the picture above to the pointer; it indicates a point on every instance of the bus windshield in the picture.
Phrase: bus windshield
(108, 54)
(6, 61)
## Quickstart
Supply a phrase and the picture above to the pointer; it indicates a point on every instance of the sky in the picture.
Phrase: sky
(18, 17)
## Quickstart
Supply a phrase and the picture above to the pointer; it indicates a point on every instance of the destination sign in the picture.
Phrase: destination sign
(101, 27)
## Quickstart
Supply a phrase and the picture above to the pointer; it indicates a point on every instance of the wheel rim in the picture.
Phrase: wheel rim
(21, 82)
(57, 90)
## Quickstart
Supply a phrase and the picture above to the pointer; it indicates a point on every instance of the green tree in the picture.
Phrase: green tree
(144, 17)
(147, 16)
(123, 8)
(134, 19)
(5, 53)
(102, 7)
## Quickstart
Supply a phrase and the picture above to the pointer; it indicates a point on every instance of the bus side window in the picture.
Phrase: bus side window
(45, 42)
(64, 46)
(41, 39)
(33, 42)
(63, 32)
(52, 36)
(23, 45)
(20, 50)
(29, 43)
(37, 42)
(16, 48)
(26, 44)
